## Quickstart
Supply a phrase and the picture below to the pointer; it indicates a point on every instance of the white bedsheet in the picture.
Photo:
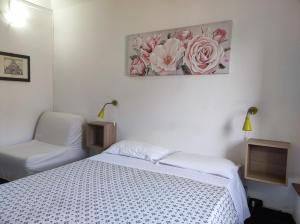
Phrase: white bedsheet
(234, 185)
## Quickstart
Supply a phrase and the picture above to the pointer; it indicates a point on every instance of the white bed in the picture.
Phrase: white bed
(117, 189)
(234, 186)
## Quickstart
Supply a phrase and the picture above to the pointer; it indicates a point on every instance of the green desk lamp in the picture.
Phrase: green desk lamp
(102, 111)
(247, 124)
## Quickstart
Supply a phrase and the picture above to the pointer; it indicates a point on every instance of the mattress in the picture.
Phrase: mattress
(117, 189)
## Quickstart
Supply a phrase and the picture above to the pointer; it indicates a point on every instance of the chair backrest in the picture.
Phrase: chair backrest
(60, 129)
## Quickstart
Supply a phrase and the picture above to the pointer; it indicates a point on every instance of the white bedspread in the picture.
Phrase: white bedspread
(117, 189)
(234, 186)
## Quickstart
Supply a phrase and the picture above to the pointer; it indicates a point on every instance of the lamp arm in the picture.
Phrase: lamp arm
(252, 111)
(105, 106)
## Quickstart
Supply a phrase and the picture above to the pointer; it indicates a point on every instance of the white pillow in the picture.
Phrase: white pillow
(212, 165)
(139, 150)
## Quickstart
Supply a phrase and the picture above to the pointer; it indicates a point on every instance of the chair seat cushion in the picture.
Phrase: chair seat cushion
(24, 159)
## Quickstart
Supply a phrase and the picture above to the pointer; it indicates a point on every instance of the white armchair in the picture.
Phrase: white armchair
(57, 141)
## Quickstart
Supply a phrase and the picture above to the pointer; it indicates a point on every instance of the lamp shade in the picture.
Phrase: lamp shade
(101, 113)
(247, 124)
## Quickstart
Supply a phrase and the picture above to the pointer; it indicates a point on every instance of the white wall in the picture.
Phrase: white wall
(200, 114)
(196, 114)
(42, 3)
(280, 105)
(22, 103)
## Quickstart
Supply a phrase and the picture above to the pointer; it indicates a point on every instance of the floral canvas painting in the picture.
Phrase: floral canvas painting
(195, 50)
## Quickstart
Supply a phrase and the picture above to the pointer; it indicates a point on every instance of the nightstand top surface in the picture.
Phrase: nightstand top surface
(268, 143)
(101, 123)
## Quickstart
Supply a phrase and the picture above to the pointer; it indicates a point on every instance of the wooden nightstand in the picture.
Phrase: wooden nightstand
(99, 136)
(297, 188)
(266, 161)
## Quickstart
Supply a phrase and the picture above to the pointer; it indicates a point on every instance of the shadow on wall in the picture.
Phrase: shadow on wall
(236, 153)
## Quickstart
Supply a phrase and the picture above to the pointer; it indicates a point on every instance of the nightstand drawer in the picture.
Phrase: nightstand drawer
(266, 161)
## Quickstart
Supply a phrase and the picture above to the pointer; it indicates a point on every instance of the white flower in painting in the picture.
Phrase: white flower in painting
(164, 58)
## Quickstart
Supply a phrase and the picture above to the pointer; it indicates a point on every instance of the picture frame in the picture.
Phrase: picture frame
(14, 67)
(193, 50)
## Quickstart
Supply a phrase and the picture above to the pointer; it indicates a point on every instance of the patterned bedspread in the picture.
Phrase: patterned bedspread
(96, 192)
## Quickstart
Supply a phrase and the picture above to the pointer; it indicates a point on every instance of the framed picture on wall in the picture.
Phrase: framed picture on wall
(194, 50)
(14, 67)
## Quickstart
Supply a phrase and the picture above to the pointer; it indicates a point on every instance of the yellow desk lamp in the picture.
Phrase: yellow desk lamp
(102, 111)
(247, 124)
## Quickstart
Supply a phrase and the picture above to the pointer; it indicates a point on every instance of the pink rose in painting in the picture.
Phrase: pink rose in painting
(225, 59)
(145, 56)
(148, 47)
(184, 36)
(137, 67)
(219, 35)
(203, 55)
(164, 58)
(151, 43)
